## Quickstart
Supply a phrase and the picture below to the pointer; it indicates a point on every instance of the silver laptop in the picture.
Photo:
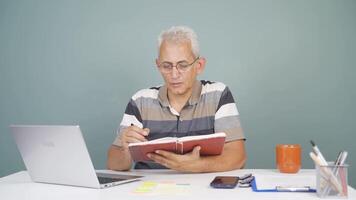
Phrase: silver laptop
(58, 154)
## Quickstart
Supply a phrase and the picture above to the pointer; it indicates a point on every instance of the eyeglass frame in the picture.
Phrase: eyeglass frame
(176, 66)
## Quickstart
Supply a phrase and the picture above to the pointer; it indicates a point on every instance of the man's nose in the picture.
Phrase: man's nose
(175, 72)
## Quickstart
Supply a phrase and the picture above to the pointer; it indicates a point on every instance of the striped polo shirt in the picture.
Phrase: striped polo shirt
(210, 109)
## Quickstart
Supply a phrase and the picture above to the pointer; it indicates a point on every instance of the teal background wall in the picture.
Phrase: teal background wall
(290, 64)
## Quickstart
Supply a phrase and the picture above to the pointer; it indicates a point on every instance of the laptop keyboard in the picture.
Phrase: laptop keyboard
(103, 180)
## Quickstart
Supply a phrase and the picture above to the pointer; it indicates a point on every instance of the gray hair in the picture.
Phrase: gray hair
(179, 34)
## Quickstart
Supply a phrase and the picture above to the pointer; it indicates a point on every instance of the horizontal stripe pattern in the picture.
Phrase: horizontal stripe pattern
(146, 93)
(229, 122)
(127, 120)
(193, 125)
(214, 110)
(226, 111)
(213, 87)
(226, 97)
(132, 109)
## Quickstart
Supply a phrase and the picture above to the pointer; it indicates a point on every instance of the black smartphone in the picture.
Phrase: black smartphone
(224, 182)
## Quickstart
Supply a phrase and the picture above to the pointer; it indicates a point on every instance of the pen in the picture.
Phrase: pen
(343, 158)
(338, 159)
(342, 172)
(292, 189)
(316, 159)
(318, 153)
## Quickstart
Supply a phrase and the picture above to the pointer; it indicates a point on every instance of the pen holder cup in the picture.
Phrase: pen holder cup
(331, 181)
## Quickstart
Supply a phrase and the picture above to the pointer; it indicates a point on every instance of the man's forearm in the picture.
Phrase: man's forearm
(232, 158)
(119, 159)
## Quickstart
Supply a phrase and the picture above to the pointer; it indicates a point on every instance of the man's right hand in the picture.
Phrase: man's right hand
(133, 134)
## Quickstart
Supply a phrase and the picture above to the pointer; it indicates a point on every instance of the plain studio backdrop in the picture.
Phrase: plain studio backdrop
(290, 64)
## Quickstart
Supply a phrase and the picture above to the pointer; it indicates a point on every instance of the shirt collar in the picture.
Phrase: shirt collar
(163, 94)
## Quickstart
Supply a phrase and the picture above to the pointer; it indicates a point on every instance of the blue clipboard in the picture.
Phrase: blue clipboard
(255, 189)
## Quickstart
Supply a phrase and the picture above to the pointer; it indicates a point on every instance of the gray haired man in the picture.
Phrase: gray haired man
(183, 106)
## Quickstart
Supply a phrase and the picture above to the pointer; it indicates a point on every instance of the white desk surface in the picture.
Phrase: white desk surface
(19, 186)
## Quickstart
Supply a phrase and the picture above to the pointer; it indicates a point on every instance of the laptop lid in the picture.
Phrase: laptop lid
(57, 154)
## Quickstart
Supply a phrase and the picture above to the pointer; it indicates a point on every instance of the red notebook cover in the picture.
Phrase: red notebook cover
(211, 144)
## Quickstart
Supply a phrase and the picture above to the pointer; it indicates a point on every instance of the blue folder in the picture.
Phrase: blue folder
(255, 189)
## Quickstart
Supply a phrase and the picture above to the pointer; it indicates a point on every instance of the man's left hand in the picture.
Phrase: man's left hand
(187, 162)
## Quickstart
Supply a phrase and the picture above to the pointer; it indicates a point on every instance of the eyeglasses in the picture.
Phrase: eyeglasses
(182, 66)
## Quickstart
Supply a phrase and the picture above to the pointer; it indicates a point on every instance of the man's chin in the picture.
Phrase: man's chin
(176, 91)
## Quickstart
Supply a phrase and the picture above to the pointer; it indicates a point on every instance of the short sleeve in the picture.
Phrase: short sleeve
(227, 118)
(131, 116)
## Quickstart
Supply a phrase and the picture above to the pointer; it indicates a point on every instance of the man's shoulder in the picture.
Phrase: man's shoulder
(151, 92)
(212, 86)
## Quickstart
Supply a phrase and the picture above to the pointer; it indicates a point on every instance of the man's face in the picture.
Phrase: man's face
(179, 83)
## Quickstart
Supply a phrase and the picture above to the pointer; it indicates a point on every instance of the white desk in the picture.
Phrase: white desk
(19, 186)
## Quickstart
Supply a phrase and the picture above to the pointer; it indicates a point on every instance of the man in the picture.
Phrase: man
(182, 106)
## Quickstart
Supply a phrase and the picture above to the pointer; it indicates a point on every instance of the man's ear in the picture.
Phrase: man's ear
(157, 63)
(201, 65)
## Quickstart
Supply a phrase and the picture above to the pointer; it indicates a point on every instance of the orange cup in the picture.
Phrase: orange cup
(288, 157)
